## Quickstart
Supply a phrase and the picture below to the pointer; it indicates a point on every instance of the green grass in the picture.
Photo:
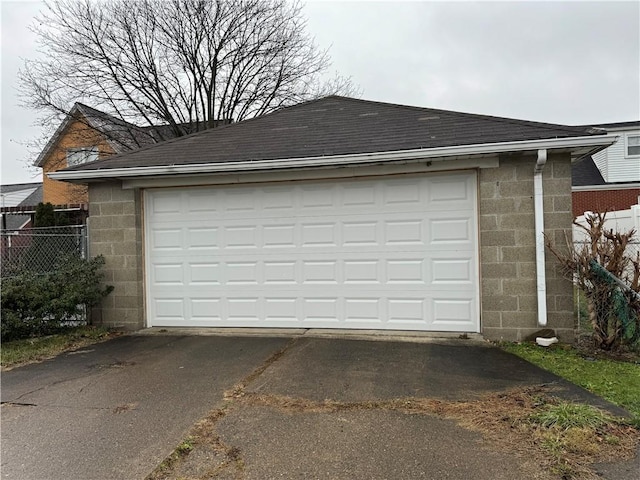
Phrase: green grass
(20, 352)
(567, 415)
(615, 381)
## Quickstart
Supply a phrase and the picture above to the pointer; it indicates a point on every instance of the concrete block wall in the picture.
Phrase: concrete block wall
(507, 248)
(115, 231)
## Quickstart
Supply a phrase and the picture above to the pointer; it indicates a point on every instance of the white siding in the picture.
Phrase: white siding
(613, 162)
(600, 159)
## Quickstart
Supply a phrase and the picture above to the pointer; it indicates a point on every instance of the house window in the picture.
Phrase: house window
(633, 145)
(77, 156)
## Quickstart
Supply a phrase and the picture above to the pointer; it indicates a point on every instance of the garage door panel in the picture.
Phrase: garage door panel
(339, 254)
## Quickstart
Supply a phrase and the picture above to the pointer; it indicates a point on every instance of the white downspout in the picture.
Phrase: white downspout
(539, 226)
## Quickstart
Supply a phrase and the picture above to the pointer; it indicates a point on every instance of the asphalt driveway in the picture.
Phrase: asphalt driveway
(115, 410)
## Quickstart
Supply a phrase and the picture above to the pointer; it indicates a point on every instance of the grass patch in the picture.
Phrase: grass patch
(30, 350)
(615, 381)
(570, 415)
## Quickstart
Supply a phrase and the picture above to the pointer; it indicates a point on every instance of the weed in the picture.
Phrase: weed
(567, 415)
(29, 350)
(185, 446)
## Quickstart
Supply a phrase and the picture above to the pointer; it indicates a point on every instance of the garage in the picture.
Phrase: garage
(395, 252)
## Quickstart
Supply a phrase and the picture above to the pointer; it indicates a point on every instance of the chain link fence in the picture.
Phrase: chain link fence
(39, 249)
(581, 304)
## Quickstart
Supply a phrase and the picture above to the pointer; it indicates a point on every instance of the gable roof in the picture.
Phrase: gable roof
(334, 126)
(121, 136)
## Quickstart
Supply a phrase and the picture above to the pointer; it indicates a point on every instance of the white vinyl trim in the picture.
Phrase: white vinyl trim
(440, 153)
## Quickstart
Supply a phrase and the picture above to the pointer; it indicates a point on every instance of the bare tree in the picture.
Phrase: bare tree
(183, 64)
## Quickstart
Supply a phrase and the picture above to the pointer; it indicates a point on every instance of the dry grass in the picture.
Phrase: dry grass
(510, 421)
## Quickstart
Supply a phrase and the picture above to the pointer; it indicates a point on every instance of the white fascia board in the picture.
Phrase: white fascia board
(434, 154)
(298, 174)
(606, 186)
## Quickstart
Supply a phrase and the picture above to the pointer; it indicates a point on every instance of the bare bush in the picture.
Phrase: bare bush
(609, 275)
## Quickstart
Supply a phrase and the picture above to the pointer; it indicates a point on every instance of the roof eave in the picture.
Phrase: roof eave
(579, 146)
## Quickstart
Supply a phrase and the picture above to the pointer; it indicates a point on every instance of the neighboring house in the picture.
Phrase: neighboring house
(345, 214)
(16, 199)
(610, 179)
(87, 135)
(17, 207)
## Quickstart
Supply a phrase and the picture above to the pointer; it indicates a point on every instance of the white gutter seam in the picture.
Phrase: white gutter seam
(339, 160)
(538, 203)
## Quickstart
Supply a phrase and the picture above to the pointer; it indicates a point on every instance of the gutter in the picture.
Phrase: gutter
(538, 205)
(591, 143)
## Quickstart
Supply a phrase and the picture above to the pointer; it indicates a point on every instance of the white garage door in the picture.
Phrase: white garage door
(389, 253)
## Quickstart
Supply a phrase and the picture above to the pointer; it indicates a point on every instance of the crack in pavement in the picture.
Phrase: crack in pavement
(204, 430)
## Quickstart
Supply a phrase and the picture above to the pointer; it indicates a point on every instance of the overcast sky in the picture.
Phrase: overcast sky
(558, 62)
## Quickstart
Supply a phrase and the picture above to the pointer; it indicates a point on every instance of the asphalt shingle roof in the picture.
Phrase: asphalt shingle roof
(585, 172)
(335, 126)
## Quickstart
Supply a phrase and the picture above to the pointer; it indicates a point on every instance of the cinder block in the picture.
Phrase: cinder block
(489, 255)
(125, 274)
(519, 286)
(562, 203)
(501, 334)
(525, 169)
(560, 320)
(491, 286)
(499, 303)
(124, 248)
(94, 209)
(497, 205)
(556, 186)
(515, 221)
(555, 220)
(525, 237)
(99, 222)
(564, 303)
(124, 221)
(515, 189)
(524, 206)
(118, 194)
(498, 238)
(488, 222)
(128, 302)
(114, 235)
(491, 319)
(518, 254)
(528, 303)
(527, 270)
(505, 172)
(131, 235)
(99, 248)
(499, 270)
(488, 190)
(100, 192)
(561, 167)
(112, 208)
(520, 320)
(129, 208)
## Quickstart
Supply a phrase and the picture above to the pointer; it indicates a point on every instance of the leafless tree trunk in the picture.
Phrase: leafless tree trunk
(183, 64)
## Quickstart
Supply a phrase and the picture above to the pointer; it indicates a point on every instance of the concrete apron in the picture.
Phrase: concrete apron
(344, 334)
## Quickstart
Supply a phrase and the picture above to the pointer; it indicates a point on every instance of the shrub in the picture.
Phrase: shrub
(35, 304)
(609, 276)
